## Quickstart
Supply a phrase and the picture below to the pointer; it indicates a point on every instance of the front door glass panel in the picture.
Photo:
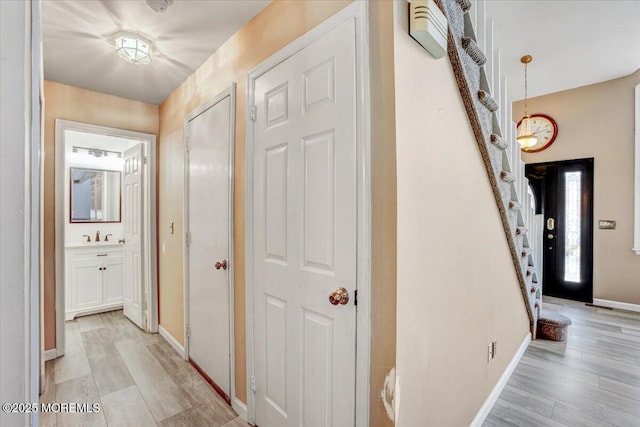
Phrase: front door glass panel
(572, 217)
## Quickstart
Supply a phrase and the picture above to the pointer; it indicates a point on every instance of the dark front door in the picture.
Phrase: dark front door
(564, 194)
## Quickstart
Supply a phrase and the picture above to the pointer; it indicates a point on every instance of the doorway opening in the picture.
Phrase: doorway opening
(564, 195)
(105, 223)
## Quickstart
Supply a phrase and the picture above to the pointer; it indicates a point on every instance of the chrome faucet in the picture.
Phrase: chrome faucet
(88, 237)
(106, 238)
(98, 236)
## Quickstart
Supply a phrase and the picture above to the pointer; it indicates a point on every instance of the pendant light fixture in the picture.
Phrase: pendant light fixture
(526, 137)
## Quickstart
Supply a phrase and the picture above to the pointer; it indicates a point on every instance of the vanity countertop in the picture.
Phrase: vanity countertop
(76, 245)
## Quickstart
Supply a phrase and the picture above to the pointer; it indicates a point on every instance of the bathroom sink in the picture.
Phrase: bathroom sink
(90, 244)
(110, 242)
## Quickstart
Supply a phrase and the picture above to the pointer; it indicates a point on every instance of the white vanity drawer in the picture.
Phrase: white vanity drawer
(86, 253)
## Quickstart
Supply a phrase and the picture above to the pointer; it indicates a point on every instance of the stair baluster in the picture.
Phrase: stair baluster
(476, 61)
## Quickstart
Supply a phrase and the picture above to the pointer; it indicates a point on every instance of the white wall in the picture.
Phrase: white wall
(457, 286)
(17, 357)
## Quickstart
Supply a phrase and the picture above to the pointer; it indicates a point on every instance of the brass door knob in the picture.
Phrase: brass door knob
(339, 296)
(221, 264)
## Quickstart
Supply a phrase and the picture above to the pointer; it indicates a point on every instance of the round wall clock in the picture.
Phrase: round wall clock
(545, 128)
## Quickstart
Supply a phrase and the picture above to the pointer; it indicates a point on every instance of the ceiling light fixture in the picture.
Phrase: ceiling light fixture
(132, 47)
(526, 138)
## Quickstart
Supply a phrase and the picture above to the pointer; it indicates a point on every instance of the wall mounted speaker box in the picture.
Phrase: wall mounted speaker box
(428, 26)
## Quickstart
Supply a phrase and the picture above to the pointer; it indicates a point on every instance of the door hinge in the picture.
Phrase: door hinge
(187, 144)
(253, 383)
(188, 330)
(187, 238)
(254, 113)
(355, 297)
(146, 160)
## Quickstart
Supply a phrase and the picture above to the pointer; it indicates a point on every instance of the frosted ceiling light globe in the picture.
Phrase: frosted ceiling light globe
(133, 47)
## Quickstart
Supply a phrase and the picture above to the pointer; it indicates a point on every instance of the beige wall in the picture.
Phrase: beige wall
(383, 203)
(457, 287)
(597, 121)
(274, 27)
(251, 45)
(79, 105)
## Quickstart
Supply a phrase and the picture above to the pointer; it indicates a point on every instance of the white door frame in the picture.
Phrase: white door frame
(150, 240)
(231, 93)
(359, 12)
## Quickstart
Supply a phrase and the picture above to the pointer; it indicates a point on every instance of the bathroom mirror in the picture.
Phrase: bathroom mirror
(95, 195)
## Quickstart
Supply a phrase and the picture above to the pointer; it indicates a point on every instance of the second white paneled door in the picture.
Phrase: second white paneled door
(208, 249)
(305, 235)
(133, 220)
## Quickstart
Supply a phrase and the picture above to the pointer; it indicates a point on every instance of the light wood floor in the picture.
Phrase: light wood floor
(137, 378)
(593, 379)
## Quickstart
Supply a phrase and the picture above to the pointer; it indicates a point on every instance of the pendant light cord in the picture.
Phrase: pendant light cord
(526, 114)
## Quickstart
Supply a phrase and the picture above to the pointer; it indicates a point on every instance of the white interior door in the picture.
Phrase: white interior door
(208, 160)
(132, 217)
(304, 241)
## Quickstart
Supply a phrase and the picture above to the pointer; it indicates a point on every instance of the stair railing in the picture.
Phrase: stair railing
(483, 25)
(476, 64)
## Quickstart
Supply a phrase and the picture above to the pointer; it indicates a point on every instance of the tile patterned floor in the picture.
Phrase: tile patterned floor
(592, 379)
(137, 378)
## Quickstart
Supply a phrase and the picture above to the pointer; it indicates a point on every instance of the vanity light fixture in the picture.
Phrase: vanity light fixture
(96, 151)
(526, 137)
(132, 47)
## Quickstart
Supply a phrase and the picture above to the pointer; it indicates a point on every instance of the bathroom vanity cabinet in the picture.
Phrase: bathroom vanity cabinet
(93, 278)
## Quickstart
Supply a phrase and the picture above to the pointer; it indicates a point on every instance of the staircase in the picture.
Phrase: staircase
(476, 65)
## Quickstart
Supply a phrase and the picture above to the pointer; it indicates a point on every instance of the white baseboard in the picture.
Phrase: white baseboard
(172, 341)
(50, 354)
(239, 407)
(615, 304)
(502, 382)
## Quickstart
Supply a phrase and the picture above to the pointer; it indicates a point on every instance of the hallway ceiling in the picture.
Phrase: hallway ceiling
(573, 43)
(77, 51)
